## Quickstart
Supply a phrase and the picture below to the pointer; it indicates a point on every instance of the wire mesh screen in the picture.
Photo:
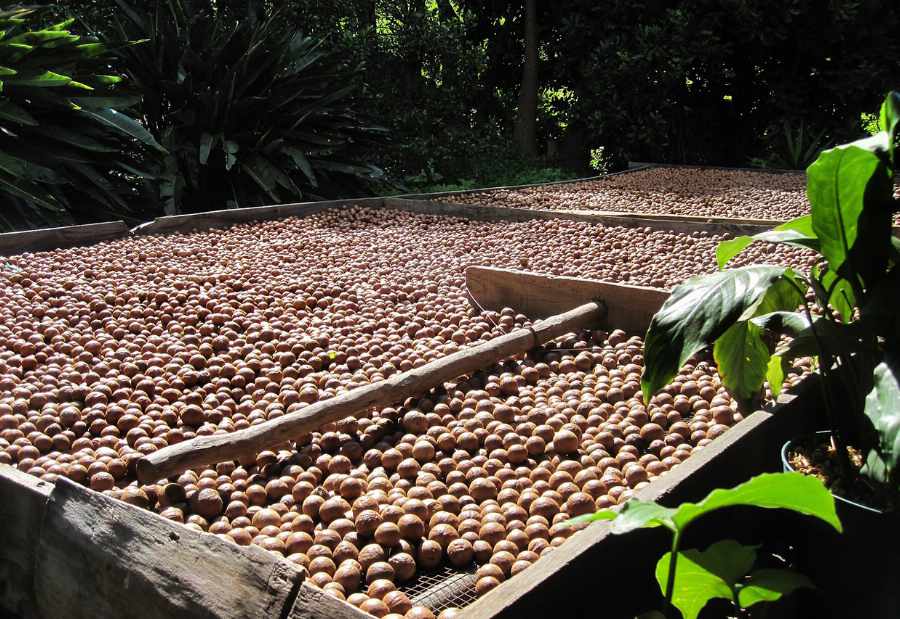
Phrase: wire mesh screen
(444, 588)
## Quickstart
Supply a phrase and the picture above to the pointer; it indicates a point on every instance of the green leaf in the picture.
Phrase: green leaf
(300, 160)
(775, 372)
(604, 514)
(796, 233)
(124, 124)
(784, 323)
(841, 297)
(726, 250)
(883, 410)
(231, 150)
(742, 359)
(889, 119)
(635, 514)
(13, 113)
(107, 80)
(793, 491)
(696, 314)
(840, 183)
(701, 576)
(769, 585)
(207, 142)
(47, 79)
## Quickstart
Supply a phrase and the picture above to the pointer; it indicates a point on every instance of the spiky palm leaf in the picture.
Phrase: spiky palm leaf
(249, 110)
(63, 132)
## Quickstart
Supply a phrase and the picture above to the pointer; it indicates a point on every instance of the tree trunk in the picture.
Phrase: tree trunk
(525, 134)
(365, 14)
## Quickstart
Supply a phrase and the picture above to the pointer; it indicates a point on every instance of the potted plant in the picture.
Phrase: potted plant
(848, 320)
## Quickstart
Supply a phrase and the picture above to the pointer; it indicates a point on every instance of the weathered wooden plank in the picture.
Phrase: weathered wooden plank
(98, 557)
(221, 447)
(561, 581)
(636, 167)
(629, 308)
(58, 238)
(23, 498)
(313, 603)
(497, 213)
(228, 217)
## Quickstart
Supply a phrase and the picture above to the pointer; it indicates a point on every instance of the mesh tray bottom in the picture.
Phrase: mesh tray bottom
(444, 588)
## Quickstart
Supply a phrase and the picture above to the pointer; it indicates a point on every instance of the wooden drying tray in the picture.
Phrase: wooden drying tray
(629, 308)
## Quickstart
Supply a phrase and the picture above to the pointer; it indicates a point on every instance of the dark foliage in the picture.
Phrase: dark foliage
(249, 110)
(67, 147)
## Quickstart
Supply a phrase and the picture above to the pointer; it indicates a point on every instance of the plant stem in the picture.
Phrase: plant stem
(825, 368)
(670, 581)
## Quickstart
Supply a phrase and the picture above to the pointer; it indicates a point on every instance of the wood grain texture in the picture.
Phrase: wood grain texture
(629, 308)
(98, 557)
(58, 238)
(498, 213)
(214, 448)
(23, 498)
(228, 217)
(313, 603)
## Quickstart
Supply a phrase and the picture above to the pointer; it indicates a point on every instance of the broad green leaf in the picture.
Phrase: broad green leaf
(604, 514)
(207, 142)
(13, 113)
(883, 410)
(840, 182)
(300, 160)
(124, 124)
(46, 79)
(726, 250)
(889, 118)
(769, 585)
(634, 514)
(796, 232)
(701, 576)
(784, 323)
(231, 150)
(5, 71)
(107, 80)
(775, 372)
(783, 295)
(794, 491)
(841, 297)
(696, 314)
(63, 25)
(742, 359)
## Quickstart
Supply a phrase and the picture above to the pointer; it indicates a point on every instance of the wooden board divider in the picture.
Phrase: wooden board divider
(501, 213)
(57, 238)
(537, 295)
(215, 448)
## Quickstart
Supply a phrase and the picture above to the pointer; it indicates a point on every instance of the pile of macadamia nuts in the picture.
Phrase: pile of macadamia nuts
(111, 352)
(706, 192)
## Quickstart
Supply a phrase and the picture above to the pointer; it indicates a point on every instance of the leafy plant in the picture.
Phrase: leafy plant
(65, 138)
(853, 326)
(797, 148)
(689, 579)
(249, 110)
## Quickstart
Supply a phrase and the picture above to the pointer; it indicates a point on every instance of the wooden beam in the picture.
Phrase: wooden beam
(23, 499)
(229, 217)
(57, 238)
(99, 557)
(500, 213)
(314, 603)
(203, 450)
(629, 308)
